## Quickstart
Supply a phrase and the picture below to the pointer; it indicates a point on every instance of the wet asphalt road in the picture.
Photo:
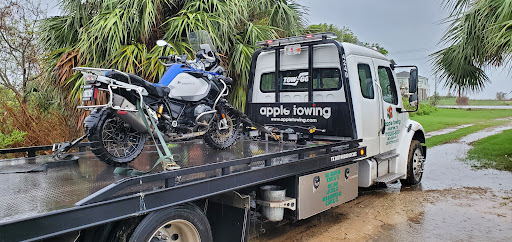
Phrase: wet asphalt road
(454, 202)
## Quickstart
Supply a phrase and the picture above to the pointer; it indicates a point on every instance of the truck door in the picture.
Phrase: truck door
(366, 102)
(389, 101)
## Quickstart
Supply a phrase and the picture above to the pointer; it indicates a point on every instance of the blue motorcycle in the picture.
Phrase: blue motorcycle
(188, 102)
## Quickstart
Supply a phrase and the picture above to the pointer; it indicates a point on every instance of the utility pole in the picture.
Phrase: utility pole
(435, 91)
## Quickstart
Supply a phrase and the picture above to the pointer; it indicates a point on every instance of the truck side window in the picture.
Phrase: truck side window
(267, 83)
(324, 79)
(366, 80)
(387, 83)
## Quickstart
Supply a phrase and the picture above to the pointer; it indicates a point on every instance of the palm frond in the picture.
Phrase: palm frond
(480, 36)
(121, 34)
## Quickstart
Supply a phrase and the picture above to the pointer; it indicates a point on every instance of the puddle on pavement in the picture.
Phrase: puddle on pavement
(464, 217)
(444, 167)
(484, 133)
(454, 202)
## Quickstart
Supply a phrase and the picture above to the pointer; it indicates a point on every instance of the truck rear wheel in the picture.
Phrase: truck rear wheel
(181, 223)
(415, 164)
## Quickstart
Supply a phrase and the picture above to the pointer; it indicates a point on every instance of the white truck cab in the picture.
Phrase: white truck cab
(327, 90)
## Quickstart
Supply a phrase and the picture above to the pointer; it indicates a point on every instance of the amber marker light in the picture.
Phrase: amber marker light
(362, 152)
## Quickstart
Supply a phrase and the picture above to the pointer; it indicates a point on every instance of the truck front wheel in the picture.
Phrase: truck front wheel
(180, 223)
(415, 164)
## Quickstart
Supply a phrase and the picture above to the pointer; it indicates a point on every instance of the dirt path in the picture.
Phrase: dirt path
(446, 130)
(453, 203)
(455, 128)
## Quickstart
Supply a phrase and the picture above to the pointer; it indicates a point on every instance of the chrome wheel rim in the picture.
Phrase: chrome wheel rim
(417, 164)
(176, 231)
(119, 138)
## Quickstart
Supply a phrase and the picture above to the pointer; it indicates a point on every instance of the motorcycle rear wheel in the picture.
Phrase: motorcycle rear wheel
(113, 141)
(223, 139)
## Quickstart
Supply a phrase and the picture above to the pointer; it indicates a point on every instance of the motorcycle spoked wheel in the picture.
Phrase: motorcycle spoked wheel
(115, 142)
(221, 139)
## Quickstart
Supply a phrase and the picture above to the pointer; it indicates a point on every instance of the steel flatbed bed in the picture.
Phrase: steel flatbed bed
(85, 194)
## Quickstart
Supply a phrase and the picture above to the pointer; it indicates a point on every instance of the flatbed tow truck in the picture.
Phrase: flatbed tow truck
(336, 134)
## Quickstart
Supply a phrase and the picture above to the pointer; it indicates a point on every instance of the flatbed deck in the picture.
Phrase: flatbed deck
(27, 194)
(90, 187)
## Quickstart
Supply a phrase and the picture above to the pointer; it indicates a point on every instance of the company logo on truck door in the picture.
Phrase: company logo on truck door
(324, 112)
(294, 80)
(390, 112)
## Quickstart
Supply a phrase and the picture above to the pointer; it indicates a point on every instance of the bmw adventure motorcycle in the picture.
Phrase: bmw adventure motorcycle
(188, 102)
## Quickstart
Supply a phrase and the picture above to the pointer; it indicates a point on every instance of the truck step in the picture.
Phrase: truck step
(389, 178)
(386, 156)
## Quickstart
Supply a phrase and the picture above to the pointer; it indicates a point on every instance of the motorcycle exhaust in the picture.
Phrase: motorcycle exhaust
(131, 118)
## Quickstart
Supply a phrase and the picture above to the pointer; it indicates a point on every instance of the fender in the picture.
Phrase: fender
(92, 120)
(411, 131)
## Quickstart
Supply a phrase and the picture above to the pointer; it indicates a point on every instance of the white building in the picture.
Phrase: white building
(423, 87)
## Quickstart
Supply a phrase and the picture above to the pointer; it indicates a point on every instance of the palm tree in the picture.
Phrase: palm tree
(479, 36)
(122, 35)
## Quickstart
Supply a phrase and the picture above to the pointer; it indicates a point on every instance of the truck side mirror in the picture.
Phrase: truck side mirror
(413, 81)
(413, 100)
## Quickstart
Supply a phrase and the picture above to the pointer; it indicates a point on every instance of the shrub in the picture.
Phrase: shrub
(425, 108)
(462, 101)
(7, 141)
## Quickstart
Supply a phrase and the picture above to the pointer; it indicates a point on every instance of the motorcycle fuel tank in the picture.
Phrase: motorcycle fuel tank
(189, 88)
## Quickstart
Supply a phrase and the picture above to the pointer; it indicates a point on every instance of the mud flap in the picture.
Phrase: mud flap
(228, 214)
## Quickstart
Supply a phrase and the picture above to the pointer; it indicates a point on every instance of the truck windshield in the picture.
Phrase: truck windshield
(324, 79)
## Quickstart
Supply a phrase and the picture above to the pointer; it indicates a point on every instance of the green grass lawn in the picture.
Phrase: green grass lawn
(457, 134)
(493, 152)
(451, 102)
(443, 118)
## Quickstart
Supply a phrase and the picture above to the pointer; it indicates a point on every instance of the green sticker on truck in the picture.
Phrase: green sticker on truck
(333, 192)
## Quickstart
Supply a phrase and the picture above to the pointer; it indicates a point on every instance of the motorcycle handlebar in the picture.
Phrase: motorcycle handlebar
(174, 58)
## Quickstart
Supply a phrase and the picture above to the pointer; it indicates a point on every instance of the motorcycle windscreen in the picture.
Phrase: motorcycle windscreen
(198, 38)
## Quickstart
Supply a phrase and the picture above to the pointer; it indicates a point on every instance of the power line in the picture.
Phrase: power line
(409, 51)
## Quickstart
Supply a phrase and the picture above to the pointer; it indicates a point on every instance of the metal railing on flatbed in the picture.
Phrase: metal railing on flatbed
(31, 151)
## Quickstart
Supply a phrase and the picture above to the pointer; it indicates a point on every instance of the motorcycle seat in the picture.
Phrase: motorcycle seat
(158, 91)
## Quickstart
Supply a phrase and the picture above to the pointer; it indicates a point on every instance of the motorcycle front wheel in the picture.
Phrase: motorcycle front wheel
(113, 141)
(221, 138)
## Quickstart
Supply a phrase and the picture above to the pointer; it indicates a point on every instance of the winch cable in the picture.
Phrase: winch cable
(166, 159)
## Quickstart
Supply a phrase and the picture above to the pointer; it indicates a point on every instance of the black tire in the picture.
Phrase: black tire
(184, 222)
(414, 164)
(223, 139)
(126, 136)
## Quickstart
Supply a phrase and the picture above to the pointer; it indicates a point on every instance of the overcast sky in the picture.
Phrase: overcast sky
(408, 29)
